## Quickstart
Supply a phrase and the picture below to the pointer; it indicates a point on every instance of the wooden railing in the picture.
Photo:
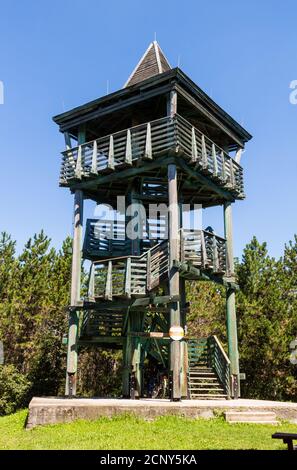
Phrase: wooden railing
(203, 249)
(119, 149)
(220, 362)
(148, 141)
(129, 276)
(209, 352)
(208, 156)
(105, 238)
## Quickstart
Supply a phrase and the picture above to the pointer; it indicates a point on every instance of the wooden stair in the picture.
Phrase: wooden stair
(101, 324)
(204, 383)
(203, 379)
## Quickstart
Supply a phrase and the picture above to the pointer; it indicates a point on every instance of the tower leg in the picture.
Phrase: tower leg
(127, 355)
(136, 354)
(232, 342)
(183, 344)
(175, 319)
(230, 305)
(71, 378)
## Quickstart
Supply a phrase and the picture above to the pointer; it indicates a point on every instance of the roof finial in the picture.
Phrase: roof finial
(155, 36)
(152, 63)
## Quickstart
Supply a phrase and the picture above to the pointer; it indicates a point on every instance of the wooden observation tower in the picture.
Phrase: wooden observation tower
(159, 141)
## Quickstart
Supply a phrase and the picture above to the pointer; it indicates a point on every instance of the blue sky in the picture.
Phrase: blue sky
(55, 55)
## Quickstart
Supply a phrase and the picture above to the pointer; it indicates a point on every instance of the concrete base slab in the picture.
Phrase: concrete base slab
(50, 410)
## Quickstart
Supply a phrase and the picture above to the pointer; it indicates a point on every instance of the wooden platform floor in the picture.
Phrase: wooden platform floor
(52, 410)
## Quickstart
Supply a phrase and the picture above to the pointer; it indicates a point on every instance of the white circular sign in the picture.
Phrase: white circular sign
(176, 333)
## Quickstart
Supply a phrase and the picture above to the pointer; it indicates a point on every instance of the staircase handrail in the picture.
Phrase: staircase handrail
(142, 256)
(223, 367)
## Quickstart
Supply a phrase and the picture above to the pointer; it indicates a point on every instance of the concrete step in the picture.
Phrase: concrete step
(254, 417)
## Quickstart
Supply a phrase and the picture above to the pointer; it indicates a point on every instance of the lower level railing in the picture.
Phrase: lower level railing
(203, 249)
(129, 275)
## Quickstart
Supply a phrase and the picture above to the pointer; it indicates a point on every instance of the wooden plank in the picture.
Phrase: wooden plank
(194, 146)
(78, 167)
(128, 278)
(94, 159)
(108, 286)
(111, 153)
(128, 153)
(148, 142)
(204, 152)
(238, 155)
(215, 162)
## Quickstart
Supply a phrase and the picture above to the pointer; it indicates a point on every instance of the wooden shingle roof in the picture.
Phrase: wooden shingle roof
(152, 63)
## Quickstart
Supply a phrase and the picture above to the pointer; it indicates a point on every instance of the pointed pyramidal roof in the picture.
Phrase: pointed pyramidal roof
(151, 63)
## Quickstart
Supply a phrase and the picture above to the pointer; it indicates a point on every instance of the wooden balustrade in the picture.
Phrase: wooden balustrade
(203, 249)
(220, 362)
(128, 276)
(148, 141)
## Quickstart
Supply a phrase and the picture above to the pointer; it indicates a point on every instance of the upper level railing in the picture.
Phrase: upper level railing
(203, 249)
(148, 141)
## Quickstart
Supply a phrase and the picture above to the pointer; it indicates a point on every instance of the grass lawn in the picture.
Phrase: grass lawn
(128, 432)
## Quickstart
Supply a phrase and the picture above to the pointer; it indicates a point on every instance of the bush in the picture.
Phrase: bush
(14, 388)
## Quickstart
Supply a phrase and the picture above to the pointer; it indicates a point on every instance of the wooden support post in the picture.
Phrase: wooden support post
(175, 320)
(230, 304)
(136, 325)
(137, 217)
(172, 104)
(183, 301)
(76, 248)
(127, 356)
(71, 375)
